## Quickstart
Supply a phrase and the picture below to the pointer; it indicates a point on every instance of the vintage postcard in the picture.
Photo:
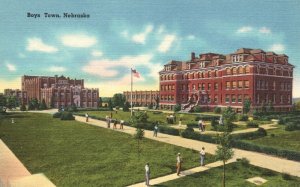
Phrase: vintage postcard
(149, 93)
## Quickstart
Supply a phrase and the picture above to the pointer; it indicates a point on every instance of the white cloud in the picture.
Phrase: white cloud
(78, 40)
(264, 30)
(166, 44)
(244, 29)
(57, 69)
(191, 37)
(108, 67)
(11, 67)
(141, 37)
(36, 44)
(96, 53)
(278, 48)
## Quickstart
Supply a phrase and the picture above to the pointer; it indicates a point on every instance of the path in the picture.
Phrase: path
(174, 176)
(257, 159)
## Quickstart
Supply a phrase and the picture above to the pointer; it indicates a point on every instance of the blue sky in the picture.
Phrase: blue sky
(139, 34)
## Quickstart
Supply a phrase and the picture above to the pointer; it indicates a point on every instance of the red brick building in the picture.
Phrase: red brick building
(59, 91)
(19, 94)
(216, 80)
(142, 98)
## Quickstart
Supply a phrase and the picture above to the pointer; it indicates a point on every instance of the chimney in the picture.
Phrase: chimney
(192, 55)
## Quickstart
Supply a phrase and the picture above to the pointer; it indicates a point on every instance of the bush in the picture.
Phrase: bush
(261, 132)
(268, 173)
(252, 124)
(23, 107)
(286, 176)
(187, 133)
(217, 110)
(157, 112)
(243, 118)
(292, 126)
(197, 109)
(67, 116)
(192, 125)
(177, 108)
(243, 161)
(57, 115)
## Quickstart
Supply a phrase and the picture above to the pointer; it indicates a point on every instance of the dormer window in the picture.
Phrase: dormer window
(234, 58)
(240, 58)
(285, 60)
(274, 59)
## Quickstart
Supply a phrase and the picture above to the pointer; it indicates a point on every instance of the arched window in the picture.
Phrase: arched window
(216, 73)
(241, 70)
(209, 74)
(234, 71)
(228, 71)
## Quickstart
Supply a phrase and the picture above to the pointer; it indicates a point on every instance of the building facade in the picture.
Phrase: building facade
(59, 91)
(142, 98)
(216, 80)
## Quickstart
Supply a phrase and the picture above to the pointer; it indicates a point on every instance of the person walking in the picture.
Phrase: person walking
(180, 120)
(115, 124)
(203, 126)
(202, 156)
(121, 124)
(155, 130)
(108, 122)
(86, 117)
(200, 125)
(178, 164)
(147, 174)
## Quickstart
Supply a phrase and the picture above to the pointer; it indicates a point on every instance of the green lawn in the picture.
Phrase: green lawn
(236, 176)
(75, 154)
(282, 139)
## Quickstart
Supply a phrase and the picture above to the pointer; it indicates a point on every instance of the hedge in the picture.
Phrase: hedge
(67, 116)
(252, 124)
(291, 155)
(196, 136)
(261, 132)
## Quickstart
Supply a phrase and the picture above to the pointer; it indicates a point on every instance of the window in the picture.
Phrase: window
(233, 71)
(194, 87)
(216, 99)
(216, 73)
(203, 86)
(240, 84)
(227, 98)
(239, 98)
(241, 70)
(282, 86)
(233, 84)
(208, 99)
(227, 85)
(289, 99)
(199, 86)
(228, 71)
(233, 98)
(209, 86)
(216, 86)
(240, 58)
(247, 69)
(209, 74)
(274, 98)
(281, 98)
(246, 84)
(257, 99)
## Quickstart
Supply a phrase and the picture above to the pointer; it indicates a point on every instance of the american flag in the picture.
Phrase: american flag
(135, 73)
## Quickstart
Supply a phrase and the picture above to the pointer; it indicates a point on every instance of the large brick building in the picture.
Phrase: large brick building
(59, 91)
(211, 80)
(142, 98)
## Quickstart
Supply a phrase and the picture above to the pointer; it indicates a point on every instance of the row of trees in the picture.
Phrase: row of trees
(8, 102)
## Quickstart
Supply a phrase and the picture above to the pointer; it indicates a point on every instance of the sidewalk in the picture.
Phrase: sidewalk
(257, 159)
(174, 176)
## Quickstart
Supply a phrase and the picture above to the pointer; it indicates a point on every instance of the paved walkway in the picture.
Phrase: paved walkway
(174, 176)
(257, 159)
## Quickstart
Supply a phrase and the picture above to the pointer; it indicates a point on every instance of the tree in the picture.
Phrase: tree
(177, 108)
(2, 103)
(118, 100)
(246, 106)
(110, 105)
(229, 116)
(139, 134)
(12, 102)
(23, 107)
(42, 105)
(100, 102)
(224, 151)
(34, 104)
(297, 105)
(197, 109)
(126, 107)
(150, 106)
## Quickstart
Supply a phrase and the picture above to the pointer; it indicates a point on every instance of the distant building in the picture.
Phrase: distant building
(19, 94)
(142, 98)
(59, 91)
(216, 80)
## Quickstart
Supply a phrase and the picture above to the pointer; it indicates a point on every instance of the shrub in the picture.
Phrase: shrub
(57, 115)
(244, 161)
(177, 108)
(262, 131)
(23, 107)
(243, 118)
(67, 116)
(272, 135)
(197, 109)
(291, 126)
(252, 124)
(268, 173)
(192, 125)
(286, 176)
(217, 110)
(157, 112)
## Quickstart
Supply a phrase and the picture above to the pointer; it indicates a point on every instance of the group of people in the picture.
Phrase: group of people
(202, 125)
(179, 162)
(109, 120)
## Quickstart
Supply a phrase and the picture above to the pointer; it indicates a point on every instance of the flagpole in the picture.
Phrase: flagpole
(131, 91)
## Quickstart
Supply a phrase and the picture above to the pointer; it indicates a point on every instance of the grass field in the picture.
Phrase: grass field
(70, 153)
(236, 176)
(282, 139)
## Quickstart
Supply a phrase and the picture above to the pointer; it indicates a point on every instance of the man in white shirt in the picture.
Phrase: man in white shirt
(202, 156)
(179, 162)
(147, 174)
